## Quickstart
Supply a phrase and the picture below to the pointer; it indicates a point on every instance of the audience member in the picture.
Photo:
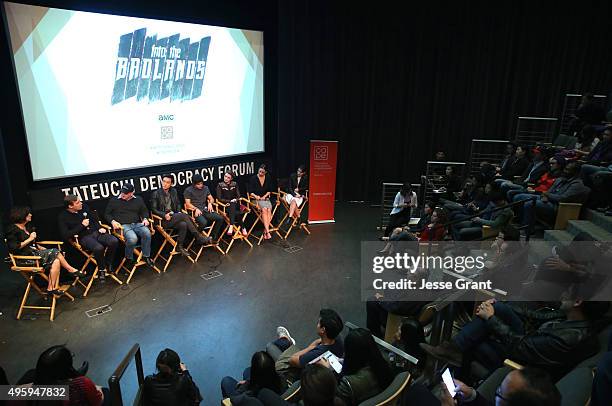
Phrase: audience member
(172, 385)
(440, 156)
(563, 338)
(508, 157)
(199, 200)
(555, 169)
(54, 367)
(260, 188)
(532, 173)
(165, 203)
(365, 373)
(129, 212)
(79, 220)
(514, 166)
(434, 231)
(21, 240)
(403, 204)
(525, 387)
(493, 216)
(410, 334)
(588, 112)
(317, 388)
(601, 392)
(229, 193)
(292, 359)
(261, 374)
(568, 188)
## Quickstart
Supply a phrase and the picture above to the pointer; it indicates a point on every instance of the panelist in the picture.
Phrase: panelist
(298, 186)
(260, 188)
(129, 212)
(165, 203)
(228, 193)
(198, 198)
(21, 240)
(77, 219)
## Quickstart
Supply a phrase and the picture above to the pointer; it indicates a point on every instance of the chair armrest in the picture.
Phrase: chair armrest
(513, 364)
(75, 242)
(35, 257)
(50, 242)
(220, 203)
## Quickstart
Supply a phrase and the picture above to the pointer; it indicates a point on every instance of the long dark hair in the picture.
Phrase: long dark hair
(18, 214)
(406, 190)
(361, 351)
(168, 363)
(263, 373)
(411, 335)
(54, 365)
(318, 386)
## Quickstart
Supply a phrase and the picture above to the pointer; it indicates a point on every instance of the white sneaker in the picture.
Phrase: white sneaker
(283, 332)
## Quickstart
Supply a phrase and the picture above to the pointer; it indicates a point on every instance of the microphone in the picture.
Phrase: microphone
(85, 214)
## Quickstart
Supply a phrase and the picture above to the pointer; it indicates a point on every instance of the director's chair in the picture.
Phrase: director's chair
(137, 251)
(256, 210)
(237, 233)
(30, 268)
(206, 231)
(298, 221)
(90, 260)
(170, 240)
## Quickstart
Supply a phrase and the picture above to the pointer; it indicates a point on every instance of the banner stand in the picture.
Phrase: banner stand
(322, 181)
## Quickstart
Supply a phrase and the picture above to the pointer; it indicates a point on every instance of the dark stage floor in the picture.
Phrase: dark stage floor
(214, 325)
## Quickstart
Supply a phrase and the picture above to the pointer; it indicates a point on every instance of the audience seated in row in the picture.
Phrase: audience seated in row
(561, 339)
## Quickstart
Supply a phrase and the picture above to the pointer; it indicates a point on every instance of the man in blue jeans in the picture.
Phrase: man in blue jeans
(568, 188)
(293, 360)
(563, 338)
(129, 212)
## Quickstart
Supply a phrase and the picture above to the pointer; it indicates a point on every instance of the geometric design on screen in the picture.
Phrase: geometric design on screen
(155, 69)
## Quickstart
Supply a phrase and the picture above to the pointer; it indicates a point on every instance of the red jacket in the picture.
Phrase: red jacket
(545, 182)
(438, 233)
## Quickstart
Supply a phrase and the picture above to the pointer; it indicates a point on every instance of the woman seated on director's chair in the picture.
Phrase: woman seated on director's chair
(260, 188)
(20, 240)
(298, 187)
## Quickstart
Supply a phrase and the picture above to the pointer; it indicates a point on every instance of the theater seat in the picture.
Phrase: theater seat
(391, 393)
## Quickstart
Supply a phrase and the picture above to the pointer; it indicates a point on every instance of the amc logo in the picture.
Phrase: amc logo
(166, 117)
(320, 153)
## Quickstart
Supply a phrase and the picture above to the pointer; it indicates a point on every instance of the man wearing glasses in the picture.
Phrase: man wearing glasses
(529, 386)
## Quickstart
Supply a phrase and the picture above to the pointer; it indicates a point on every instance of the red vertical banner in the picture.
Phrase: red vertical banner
(322, 181)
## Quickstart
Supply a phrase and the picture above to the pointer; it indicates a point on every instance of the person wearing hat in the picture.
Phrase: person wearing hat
(129, 212)
(198, 198)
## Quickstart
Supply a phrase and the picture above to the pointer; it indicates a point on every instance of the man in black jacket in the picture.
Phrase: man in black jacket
(564, 337)
(129, 212)
(165, 203)
(515, 166)
(529, 386)
(78, 219)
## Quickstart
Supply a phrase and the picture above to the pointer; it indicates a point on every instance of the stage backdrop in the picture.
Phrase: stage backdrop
(322, 192)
